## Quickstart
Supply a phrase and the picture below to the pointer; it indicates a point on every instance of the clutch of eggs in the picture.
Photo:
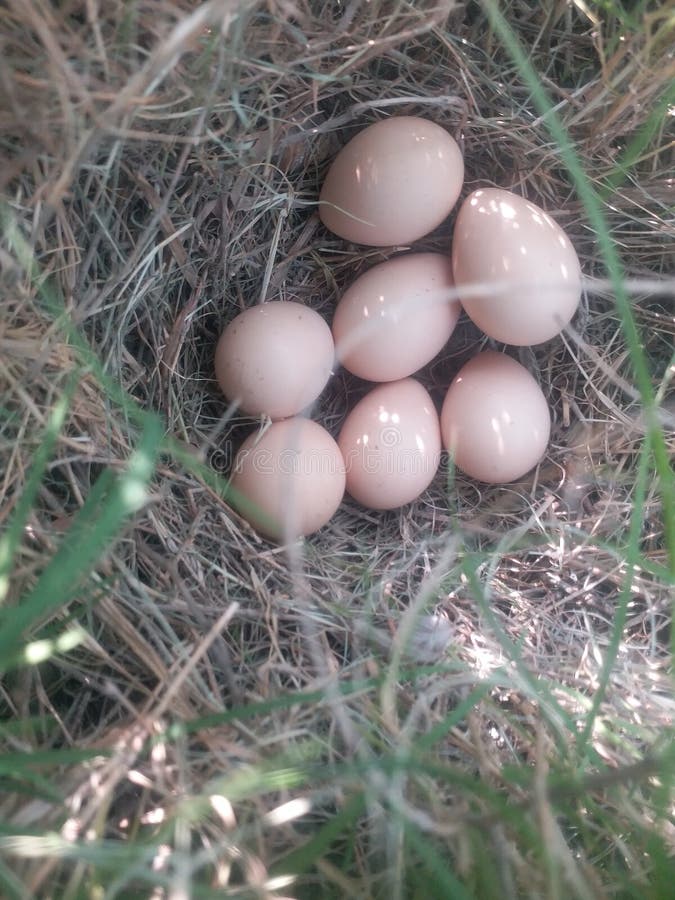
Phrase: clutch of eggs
(516, 275)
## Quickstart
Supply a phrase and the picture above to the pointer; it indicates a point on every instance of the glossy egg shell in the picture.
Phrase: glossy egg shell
(516, 271)
(396, 317)
(391, 445)
(394, 182)
(290, 480)
(275, 358)
(495, 420)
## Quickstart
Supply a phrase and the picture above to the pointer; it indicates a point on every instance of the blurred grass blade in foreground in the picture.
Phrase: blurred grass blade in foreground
(113, 499)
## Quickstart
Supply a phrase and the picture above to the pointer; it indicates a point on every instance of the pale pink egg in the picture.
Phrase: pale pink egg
(393, 183)
(396, 317)
(495, 420)
(275, 358)
(391, 445)
(290, 480)
(516, 271)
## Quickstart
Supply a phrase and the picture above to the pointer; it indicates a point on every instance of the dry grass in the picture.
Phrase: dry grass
(162, 160)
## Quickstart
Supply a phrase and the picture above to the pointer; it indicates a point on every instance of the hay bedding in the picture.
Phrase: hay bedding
(166, 177)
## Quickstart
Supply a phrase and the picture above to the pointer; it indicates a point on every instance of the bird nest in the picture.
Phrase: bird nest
(472, 689)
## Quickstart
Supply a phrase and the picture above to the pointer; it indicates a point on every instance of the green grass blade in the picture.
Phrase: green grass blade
(12, 888)
(11, 539)
(458, 714)
(632, 554)
(27, 723)
(108, 506)
(31, 784)
(107, 854)
(446, 885)
(296, 698)
(639, 142)
(596, 217)
(53, 303)
(13, 762)
(557, 715)
(304, 858)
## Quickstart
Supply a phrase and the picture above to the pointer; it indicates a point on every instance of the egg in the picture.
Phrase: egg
(290, 480)
(275, 358)
(516, 271)
(391, 445)
(495, 421)
(396, 317)
(394, 182)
